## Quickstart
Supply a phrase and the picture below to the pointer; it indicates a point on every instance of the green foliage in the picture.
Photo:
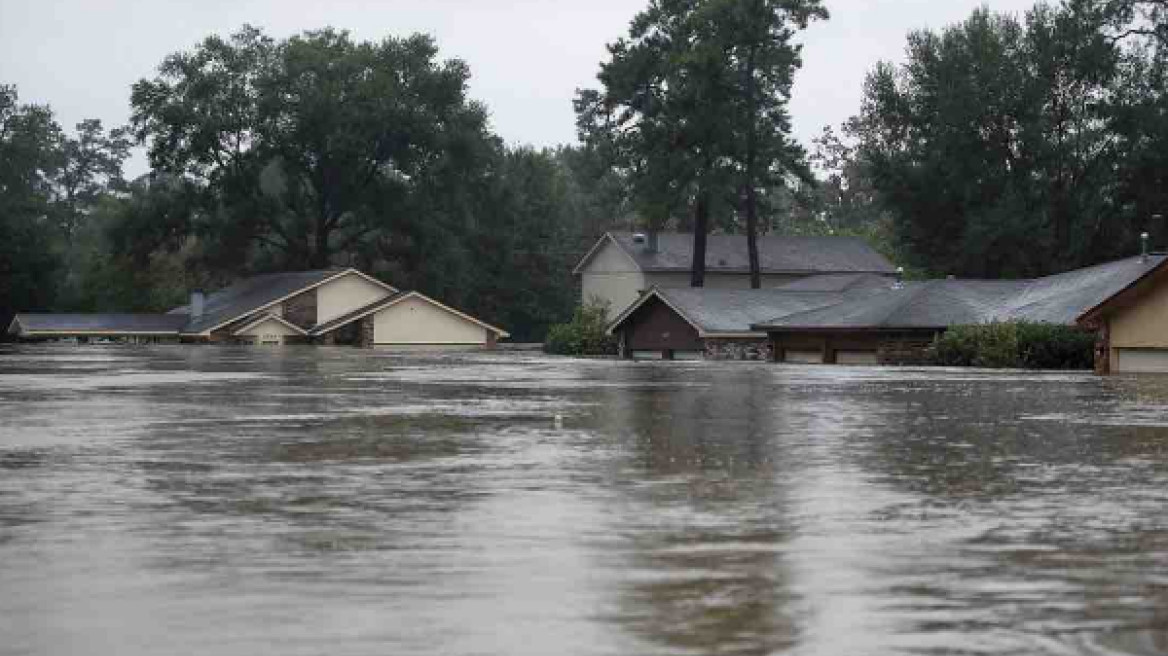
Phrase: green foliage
(314, 146)
(1016, 345)
(1009, 147)
(30, 157)
(693, 110)
(584, 334)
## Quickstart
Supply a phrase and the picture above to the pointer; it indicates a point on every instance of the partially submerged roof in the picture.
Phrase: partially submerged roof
(29, 323)
(265, 318)
(938, 304)
(254, 294)
(728, 254)
(731, 312)
(390, 301)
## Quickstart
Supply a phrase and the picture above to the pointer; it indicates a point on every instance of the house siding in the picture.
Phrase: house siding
(415, 321)
(613, 278)
(657, 327)
(903, 347)
(341, 296)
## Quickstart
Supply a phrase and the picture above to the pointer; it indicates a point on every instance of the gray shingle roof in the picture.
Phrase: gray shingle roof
(942, 303)
(735, 310)
(94, 323)
(728, 254)
(250, 295)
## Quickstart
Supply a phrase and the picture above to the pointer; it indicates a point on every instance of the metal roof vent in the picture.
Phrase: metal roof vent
(639, 238)
(1144, 246)
(899, 284)
(197, 303)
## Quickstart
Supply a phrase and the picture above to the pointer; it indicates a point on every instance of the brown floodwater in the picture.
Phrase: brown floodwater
(242, 501)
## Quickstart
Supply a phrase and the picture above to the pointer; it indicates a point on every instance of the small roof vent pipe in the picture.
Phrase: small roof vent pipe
(899, 278)
(197, 303)
(1144, 247)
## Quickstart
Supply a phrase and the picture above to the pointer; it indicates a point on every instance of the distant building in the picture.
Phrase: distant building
(334, 306)
(622, 265)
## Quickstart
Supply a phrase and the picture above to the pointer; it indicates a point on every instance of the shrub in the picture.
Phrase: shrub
(1019, 345)
(584, 334)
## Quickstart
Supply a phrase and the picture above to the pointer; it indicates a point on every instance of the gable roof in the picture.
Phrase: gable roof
(259, 293)
(269, 317)
(33, 323)
(728, 254)
(389, 301)
(732, 312)
(938, 304)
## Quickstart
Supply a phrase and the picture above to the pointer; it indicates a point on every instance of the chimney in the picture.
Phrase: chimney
(651, 246)
(197, 302)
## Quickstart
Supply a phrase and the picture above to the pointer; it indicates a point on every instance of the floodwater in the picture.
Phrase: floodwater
(186, 500)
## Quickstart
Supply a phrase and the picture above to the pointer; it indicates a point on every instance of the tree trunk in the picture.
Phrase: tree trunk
(751, 175)
(320, 251)
(701, 227)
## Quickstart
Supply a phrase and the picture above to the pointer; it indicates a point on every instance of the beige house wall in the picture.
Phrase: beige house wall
(345, 294)
(1143, 325)
(612, 277)
(416, 321)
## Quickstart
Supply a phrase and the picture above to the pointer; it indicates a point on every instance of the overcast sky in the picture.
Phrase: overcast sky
(527, 57)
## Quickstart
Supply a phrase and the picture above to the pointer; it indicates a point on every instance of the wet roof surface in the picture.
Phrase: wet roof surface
(126, 323)
(1058, 299)
(727, 253)
(252, 294)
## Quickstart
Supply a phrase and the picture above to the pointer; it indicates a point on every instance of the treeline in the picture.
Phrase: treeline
(314, 151)
(1004, 146)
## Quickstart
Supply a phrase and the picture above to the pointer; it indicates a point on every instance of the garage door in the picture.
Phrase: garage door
(803, 357)
(857, 358)
(1141, 360)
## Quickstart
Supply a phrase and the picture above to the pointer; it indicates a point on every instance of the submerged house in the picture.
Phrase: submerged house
(1132, 323)
(621, 266)
(332, 306)
(875, 320)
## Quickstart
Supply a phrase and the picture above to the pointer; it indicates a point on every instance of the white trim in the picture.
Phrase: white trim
(207, 332)
(715, 335)
(269, 317)
(596, 249)
(14, 323)
(385, 304)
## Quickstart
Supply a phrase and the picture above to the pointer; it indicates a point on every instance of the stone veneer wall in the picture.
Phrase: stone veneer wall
(365, 332)
(738, 349)
(301, 309)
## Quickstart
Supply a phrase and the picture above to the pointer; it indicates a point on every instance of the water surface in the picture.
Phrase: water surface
(186, 500)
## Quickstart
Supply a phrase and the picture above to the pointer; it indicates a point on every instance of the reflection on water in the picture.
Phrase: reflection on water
(306, 501)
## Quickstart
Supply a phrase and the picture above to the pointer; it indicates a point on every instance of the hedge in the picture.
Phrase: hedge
(1015, 345)
(584, 334)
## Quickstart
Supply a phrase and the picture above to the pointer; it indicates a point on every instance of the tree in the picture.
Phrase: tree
(694, 109)
(29, 157)
(90, 166)
(991, 147)
(657, 120)
(310, 147)
(754, 39)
